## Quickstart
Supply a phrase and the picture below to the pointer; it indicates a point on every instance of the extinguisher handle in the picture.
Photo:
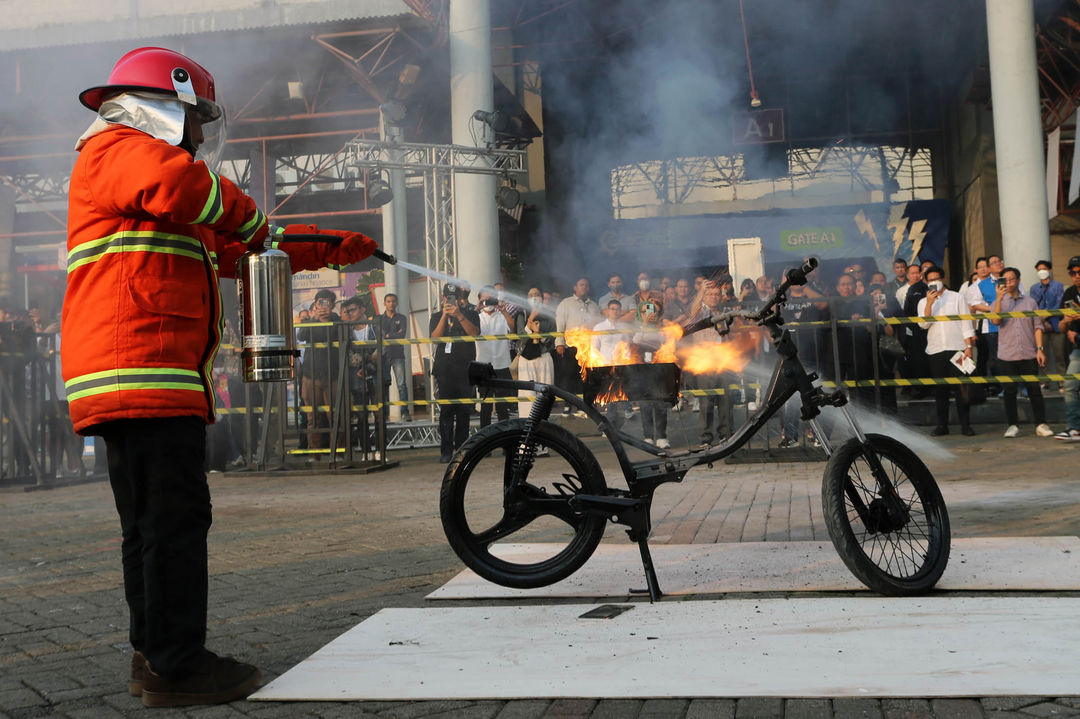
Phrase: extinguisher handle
(385, 257)
(330, 239)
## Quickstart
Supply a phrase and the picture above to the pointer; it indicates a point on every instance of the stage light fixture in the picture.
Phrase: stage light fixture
(497, 120)
(393, 112)
(507, 196)
(378, 191)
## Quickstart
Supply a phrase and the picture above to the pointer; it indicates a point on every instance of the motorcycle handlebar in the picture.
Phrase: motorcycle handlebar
(794, 276)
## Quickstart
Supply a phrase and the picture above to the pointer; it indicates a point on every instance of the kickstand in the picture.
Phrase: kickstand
(650, 573)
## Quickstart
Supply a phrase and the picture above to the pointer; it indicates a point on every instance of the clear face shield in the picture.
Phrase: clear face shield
(207, 125)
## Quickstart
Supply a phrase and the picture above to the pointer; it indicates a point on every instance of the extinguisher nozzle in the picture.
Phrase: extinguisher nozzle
(385, 257)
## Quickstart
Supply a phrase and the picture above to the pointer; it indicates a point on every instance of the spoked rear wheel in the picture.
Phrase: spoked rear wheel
(893, 547)
(487, 517)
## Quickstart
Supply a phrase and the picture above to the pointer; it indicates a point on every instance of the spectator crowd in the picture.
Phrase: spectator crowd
(839, 322)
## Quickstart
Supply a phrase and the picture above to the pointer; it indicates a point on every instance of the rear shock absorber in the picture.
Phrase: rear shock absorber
(527, 448)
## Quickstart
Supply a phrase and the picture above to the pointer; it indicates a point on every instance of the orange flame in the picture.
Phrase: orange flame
(666, 353)
(581, 340)
(713, 357)
(700, 358)
(614, 394)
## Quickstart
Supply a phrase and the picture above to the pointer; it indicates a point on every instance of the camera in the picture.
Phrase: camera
(649, 308)
(490, 302)
(1000, 282)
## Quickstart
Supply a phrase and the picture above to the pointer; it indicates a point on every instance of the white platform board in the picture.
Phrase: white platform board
(805, 647)
(992, 563)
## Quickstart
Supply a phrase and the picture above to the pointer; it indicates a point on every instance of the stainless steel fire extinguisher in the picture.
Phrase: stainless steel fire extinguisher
(264, 285)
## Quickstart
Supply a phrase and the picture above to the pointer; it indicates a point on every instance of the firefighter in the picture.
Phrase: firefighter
(151, 228)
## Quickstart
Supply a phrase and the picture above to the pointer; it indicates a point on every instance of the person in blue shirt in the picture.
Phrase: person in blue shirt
(1047, 293)
(988, 287)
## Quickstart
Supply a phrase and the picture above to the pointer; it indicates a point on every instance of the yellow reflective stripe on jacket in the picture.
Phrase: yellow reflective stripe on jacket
(116, 380)
(249, 228)
(213, 208)
(135, 241)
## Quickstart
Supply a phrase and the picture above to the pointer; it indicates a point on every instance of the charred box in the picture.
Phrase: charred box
(635, 382)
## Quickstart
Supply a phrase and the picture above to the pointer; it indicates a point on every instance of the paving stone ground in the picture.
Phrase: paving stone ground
(296, 561)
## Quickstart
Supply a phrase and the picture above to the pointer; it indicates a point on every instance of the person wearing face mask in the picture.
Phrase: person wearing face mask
(943, 341)
(451, 366)
(574, 312)
(1047, 293)
(644, 293)
(1020, 350)
(494, 320)
(535, 363)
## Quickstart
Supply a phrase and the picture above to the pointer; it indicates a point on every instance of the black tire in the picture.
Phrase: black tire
(474, 509)
(890, 559)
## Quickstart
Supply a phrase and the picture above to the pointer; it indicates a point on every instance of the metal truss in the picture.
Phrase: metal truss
(437, 165)
(905, 172)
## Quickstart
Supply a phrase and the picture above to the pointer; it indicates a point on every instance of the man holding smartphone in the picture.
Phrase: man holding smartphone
(1020, 350)
(1070, 327)
(451, 366)
(943, 341)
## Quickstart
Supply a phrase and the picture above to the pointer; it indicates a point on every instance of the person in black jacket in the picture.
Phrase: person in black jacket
(451, 366)
(912, 337)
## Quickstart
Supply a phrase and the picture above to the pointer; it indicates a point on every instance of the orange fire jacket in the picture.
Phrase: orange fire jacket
(149, 233)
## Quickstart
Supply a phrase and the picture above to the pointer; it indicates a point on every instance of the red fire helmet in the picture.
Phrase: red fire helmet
(155, 69)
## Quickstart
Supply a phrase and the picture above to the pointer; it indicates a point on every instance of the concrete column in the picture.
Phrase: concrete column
(7, 244)
(396, 241)
(476, 219)
(1018, 137)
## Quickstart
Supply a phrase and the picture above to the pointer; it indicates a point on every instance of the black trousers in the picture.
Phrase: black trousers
(941, 367)
(1038, 406)
(161, 494)
(453, 383)
(502, 409)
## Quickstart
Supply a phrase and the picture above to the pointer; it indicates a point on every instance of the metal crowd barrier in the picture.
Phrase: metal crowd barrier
(279, 422)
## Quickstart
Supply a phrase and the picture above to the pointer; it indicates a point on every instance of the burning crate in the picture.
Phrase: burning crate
(634, 382)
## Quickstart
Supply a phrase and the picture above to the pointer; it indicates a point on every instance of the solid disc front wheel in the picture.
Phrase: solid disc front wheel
(895, 545)
(511, 515)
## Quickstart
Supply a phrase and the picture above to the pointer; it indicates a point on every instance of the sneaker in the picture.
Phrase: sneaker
(628, 414)
(444, 459)
(406, 417)
(138, 674)
(216, 680)
(706, 438)
(1012, 431)
(787, 443)
(967, 431)
(1043, 430)
(939, 431)
(649, 441)
(751, 406)
(580, 414)
(662, 443)
(696, 405)
(543, 452)
(566, 411)
(1069, 435)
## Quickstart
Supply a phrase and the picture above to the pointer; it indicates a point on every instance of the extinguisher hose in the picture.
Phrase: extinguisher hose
(333, 240)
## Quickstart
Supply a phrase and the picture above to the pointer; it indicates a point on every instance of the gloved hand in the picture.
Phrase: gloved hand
(354, 246)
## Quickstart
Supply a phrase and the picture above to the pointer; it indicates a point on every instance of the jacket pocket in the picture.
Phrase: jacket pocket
(164, 296)
(167, 322)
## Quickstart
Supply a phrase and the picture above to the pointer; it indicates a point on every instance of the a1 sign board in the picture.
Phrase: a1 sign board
(757, 127)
